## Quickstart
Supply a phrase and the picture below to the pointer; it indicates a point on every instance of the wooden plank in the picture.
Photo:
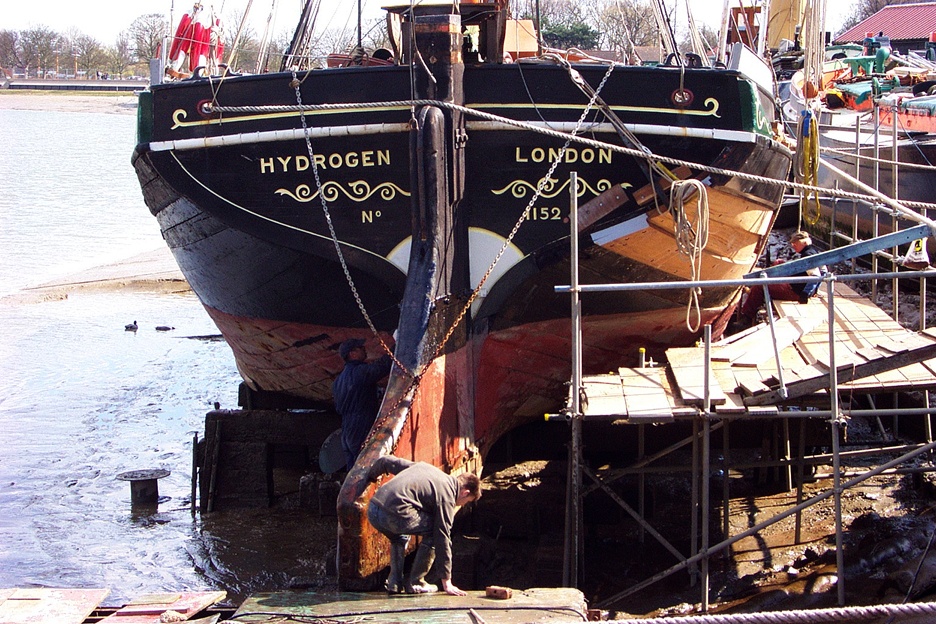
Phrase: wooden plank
(749, 382)
(644, 393)
(733, 404)
(149, 609)
(763, 410)
(49, 606)
(847, 373)
(604, 396)
(918, 375)
(533, 606)
(688, 368)
(758, 348)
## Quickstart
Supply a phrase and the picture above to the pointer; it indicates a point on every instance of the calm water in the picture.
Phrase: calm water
(83, 400)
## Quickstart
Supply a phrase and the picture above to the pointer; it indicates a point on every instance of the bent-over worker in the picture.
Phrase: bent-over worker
(419, 500)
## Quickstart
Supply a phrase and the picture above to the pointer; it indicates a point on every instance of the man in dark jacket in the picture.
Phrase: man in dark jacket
(419, 500)
(357, 398)
(802, 246)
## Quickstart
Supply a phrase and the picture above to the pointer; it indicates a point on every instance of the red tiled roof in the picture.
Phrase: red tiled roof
(897, 21)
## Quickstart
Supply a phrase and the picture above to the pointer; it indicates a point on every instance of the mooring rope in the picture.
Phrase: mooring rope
(806, 616)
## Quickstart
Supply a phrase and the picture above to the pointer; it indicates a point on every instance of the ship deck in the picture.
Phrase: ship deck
(872, 354)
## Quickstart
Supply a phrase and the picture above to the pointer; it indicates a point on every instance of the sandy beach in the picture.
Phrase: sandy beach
(69, 101)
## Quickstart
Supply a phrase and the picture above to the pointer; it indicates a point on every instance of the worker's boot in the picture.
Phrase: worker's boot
(397, 560)
(425, 556)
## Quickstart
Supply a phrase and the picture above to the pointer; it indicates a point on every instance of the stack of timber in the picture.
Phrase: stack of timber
(872, 354)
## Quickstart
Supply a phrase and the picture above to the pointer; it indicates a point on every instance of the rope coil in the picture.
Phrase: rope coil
(806, 168)
(691, 237)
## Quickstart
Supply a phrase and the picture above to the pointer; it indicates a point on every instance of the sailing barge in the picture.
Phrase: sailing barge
(429, 194)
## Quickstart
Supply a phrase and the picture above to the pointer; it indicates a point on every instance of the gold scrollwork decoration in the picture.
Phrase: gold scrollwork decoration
(178, 119)
(358, 191)
(520, 188)
(711, 105)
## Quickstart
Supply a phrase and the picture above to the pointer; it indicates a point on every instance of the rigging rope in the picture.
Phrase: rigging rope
(691, 237)
(541, 185)
(676, 162)
(883, 161)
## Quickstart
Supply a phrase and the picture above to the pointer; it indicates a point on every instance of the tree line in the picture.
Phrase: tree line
(609, 25)
(40, 52)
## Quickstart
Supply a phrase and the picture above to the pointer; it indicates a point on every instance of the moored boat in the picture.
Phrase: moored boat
(429, 194)
(871, 120)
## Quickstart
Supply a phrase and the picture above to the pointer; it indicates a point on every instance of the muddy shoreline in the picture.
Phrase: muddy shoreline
(152, 271)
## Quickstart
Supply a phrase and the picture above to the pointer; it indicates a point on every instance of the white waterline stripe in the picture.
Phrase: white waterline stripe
(735, 136)
(296, 134)
(270, 136)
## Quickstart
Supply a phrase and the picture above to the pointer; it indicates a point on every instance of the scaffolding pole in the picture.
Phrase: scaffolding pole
(573, 532)
(702, 423)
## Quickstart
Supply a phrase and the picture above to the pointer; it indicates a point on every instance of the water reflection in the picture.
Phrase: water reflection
(84, 400)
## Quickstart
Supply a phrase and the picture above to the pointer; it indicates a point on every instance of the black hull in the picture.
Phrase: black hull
(238, 203)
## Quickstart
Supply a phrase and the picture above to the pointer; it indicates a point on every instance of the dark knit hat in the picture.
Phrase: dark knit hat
(348, 346)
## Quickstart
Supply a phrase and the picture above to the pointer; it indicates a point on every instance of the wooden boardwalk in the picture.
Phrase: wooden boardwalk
(41, 605)
(873, 354)
(53, 606)
(531, 606)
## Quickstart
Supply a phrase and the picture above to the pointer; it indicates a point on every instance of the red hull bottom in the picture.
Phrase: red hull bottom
(457, 409)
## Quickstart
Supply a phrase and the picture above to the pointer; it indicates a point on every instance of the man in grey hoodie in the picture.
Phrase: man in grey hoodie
(419, 500)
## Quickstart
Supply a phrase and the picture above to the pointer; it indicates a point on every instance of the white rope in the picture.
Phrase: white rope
(750, 177)
(883, 161)
(691, 237)
(806, 616)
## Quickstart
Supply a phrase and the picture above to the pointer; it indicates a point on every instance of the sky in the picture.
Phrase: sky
(105, 19)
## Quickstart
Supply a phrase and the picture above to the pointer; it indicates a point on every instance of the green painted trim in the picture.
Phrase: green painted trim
(145, 117)
(753, 117)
